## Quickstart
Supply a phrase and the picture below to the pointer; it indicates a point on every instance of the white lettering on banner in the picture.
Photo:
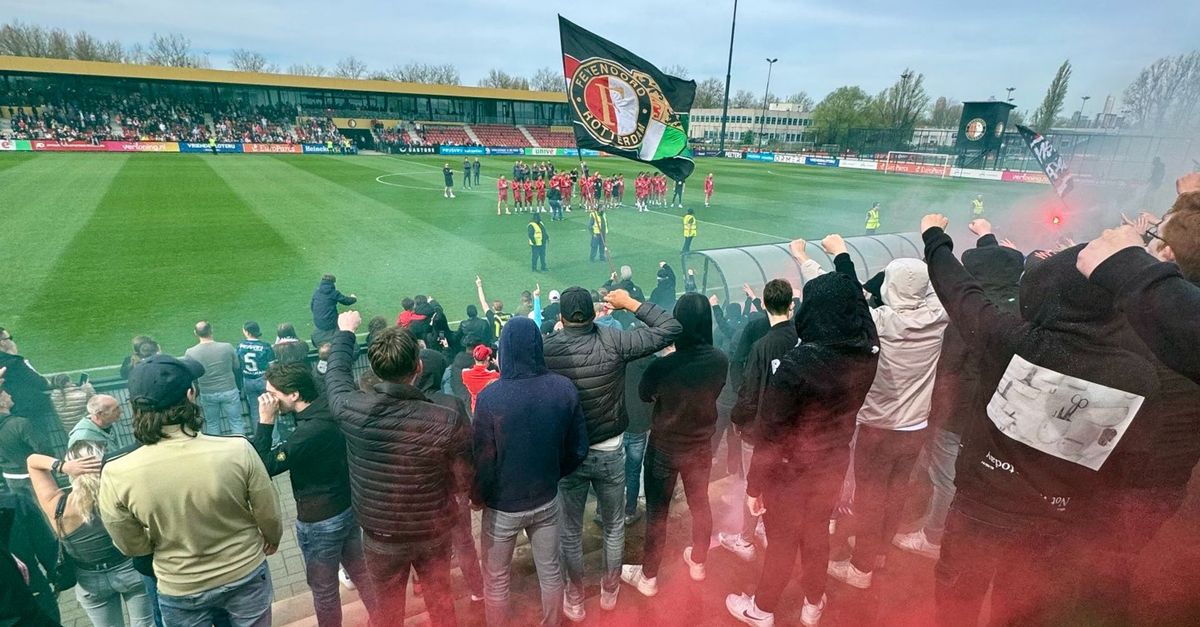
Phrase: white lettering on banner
(968, 173)
(732, 154)
(1070, 418)
(788, 158)
(859, 164)
(7, 144)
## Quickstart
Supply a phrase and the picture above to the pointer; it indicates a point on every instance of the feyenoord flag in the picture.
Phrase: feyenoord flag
(1051, 162)
(625, 106)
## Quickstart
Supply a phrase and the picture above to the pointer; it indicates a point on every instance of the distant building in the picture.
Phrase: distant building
(784, 124)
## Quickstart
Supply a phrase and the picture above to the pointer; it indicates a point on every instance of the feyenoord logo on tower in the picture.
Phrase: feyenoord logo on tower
(625, 106)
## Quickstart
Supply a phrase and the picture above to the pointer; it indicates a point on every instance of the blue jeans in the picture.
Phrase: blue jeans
(227, 404)
(247, 603)
(325, 544)
(942, 453)
(605, 472)
(635, 452)
(100, 594)
(500, 530)
(252, 387)
(151, 585)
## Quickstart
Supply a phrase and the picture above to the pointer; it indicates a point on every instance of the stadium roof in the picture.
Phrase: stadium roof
(36, 65)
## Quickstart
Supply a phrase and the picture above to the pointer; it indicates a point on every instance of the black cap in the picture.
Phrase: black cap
(162, 381)
(252, 328)
(575, 305)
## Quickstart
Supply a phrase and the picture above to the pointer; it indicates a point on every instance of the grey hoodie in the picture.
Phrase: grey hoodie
(911, 324)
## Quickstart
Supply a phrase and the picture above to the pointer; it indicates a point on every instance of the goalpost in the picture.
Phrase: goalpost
(924, 163)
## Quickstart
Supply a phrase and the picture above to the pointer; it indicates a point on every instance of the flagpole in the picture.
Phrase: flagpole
(728, 74)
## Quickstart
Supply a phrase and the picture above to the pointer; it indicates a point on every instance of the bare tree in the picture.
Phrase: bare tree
(58, 44)
(244, 60)
(547, 79)
(710, 93)
(499, 79)
(442, 74)
(350, 67)
(305, 69)
(744, 99)
(173, 50)
(677, 70)
(379, 75)
(135, 54)
(1165, 93)
(23, 40)
(1047, 114)
(801, 100)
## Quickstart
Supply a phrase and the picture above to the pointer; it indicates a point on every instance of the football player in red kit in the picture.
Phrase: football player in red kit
(607, 187)
(540, 188)
(528, 187)
(708, 188)
(502, 192)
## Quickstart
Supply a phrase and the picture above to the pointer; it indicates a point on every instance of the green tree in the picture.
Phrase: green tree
(945, 113)
(844, 108)
(748, 138)
(1046, 115)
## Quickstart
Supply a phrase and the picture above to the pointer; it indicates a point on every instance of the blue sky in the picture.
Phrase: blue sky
(967, 50)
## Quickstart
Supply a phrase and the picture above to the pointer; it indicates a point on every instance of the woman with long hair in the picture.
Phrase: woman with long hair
(104, 577)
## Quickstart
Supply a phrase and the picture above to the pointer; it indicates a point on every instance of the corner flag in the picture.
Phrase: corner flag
(625, 106)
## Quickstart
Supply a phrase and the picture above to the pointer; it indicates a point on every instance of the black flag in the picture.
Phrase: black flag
(1051, 162)
(625, 106)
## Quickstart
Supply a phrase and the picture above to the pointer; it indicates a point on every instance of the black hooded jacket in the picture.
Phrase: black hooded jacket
(664, 292)
(325, 300)
(529, 426)
(685, 384)
(998, 270)
(811, 404)
(1057, 388)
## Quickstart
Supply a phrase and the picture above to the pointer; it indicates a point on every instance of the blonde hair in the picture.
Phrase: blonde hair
(85, 487)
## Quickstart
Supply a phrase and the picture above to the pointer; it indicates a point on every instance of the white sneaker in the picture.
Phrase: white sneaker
(744, 609)
(846, 573)
(695, 570)
(810, 615)
(734, 543)
(452, 194)
(760, 534)
(916, 542)
(344, 577)
(574, 613)
(633, 575)
(608, 600)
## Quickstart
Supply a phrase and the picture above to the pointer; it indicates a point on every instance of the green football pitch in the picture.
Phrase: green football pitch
(98, 248)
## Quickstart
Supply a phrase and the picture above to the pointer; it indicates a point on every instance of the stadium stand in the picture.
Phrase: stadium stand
(547, 138)
(451, 135)
(500, 135)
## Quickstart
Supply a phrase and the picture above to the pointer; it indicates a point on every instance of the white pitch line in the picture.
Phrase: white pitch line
(434, 189)
(726, 226)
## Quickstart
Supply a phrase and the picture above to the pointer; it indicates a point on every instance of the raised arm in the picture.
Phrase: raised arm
(339, 375)
(978, 320)
(1159, 303)
(483, 304)
(277, 460)
(661, 328)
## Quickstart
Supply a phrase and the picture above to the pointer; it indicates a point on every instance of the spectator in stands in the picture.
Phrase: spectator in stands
(32, 541)
(422, 320)
(663, 294)
(1153, 294)
(288, 347)
(433, 369)
(103, 411)
(325, 300)
(624, 281)
(892, 421)
(218, 385)
(480, 374)
(374, 327)
(143, 347)
(637, 434)
(26, 386)
(255, 356)
(529, 434)
(683, 387)
(409, 459)
(495, 314)
(315, 456)
(209, 528)
(104, 577)
(1069, 340)
(594, 359)
(473, 330)
(407, 315)
(70, 400)
(18, 605)
(764, 354)
(802, 448)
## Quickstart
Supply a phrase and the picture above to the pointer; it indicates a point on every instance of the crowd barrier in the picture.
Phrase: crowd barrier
(49, 145)
(812, 160)
(919, 169)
